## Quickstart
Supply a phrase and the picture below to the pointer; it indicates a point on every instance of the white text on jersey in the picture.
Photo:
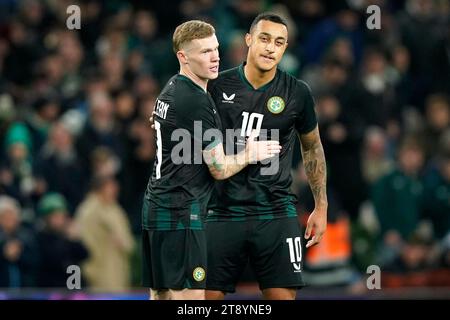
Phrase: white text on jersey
(161, 108)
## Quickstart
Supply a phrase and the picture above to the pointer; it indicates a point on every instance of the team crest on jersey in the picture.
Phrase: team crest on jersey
(199, 274)
(275, 105)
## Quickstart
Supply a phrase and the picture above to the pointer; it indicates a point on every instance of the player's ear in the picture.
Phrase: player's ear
(181, 55)
(248, 39)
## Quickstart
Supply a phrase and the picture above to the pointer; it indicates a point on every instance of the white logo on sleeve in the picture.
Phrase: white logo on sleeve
(228, 99)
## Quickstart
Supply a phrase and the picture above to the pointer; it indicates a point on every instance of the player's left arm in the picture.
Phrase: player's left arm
(315, 168)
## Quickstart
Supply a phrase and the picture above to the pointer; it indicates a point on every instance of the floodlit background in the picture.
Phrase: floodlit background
(77, 149)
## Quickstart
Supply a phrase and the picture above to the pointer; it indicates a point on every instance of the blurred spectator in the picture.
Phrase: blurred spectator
(125, 108)
(437, 112)
(420, 263)
(332, 77)
(376, 162)
(7, 116)
(100, 128)
(398, 197)
(72, 54)
(437, 191)
(106, 233)
(144, 86)
(345, 23)
(440, 62)
(341, 50)
(145, 40)
(412, 265)
(92, 20)
(22, 54)
(139, 141)
(59, 167)
(45, 112)
(49, 74)
(375, 99)
(113, 41)
(413, 256)
(341, 138)
(16, 171)
(419, 32)
(113, 70)
(104, 162)
(399, 73)
(18, 251)
(59, 244)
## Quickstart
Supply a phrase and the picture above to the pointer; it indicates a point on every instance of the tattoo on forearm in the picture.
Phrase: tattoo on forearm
(315, 168)
(217, 166)
(235, 164)
(222, 166)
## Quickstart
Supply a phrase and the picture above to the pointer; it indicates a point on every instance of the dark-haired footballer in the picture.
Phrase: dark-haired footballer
(252, 216)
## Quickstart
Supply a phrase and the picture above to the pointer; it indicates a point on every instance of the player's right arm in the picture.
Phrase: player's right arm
(223, 166)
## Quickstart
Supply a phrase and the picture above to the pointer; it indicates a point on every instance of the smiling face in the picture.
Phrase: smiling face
(267, 43)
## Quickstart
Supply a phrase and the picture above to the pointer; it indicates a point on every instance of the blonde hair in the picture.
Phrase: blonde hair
(190, 30)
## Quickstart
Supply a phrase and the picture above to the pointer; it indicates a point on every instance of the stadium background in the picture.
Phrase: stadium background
(74, 108)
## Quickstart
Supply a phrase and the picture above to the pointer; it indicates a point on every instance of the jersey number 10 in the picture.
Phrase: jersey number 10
(247, 123)
(295, 249)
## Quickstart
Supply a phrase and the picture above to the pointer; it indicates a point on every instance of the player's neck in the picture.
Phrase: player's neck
(258, 78)
(202, 83)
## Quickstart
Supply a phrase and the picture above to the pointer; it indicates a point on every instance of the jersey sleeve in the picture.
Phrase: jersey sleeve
(196, 114)
(306, 120)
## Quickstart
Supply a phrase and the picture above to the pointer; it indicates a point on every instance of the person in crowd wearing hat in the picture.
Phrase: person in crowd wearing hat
(59, 242)
(17, 177)
(15, 167)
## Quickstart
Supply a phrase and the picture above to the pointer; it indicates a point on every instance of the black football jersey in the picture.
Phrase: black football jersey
(180, 185)
(279, 110)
